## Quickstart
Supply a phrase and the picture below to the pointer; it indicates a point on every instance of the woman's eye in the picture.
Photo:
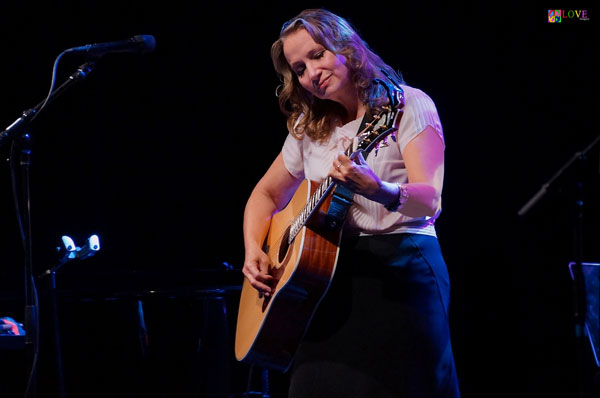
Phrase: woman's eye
(299, 72)
(319, 54)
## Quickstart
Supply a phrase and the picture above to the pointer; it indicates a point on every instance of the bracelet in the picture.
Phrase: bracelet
(402, 197)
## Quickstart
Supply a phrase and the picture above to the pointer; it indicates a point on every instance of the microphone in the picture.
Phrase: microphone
(139, 44)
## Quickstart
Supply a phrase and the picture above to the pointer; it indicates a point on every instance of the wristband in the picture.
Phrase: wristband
(402, 197)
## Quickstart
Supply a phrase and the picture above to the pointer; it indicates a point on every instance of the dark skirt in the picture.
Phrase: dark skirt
(382, 329)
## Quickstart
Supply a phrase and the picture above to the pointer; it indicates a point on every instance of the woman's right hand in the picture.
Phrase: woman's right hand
(271, 193)
(256, 270)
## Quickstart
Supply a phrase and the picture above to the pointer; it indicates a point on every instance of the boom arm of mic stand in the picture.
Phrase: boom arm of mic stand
(19, 125)
(544, 188)
(534, 199)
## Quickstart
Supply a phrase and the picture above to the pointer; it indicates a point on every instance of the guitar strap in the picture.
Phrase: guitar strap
(342, 197)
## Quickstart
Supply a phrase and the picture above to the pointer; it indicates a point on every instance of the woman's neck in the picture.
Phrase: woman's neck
(354, 112)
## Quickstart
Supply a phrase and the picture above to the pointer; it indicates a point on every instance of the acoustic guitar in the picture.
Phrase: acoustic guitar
(302, 244)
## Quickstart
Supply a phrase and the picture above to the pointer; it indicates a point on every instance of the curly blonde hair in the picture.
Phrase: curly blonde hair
(338, 36)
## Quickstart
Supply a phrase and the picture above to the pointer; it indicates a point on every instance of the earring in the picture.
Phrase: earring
(278, 90)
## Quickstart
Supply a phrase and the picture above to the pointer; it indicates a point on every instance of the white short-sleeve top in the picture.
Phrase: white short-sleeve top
(311, 159)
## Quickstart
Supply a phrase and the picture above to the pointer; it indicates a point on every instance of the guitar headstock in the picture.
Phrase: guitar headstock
(381, 126)
(376, 132)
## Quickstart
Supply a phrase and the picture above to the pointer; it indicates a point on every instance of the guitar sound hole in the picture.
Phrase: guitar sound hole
(283, 248)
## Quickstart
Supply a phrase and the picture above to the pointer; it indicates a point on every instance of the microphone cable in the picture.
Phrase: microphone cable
(52, 84)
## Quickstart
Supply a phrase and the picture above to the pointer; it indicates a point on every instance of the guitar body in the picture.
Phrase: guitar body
(269, 329)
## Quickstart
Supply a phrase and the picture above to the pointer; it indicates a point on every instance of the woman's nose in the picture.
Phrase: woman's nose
(314, 72)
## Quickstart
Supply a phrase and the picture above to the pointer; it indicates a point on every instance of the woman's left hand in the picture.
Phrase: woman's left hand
(355, 174)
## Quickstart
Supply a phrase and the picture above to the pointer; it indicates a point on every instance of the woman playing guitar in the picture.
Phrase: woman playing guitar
(382, 328)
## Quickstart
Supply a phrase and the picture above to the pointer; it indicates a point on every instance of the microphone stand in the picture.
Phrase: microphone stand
(577, 273)
(17, 132)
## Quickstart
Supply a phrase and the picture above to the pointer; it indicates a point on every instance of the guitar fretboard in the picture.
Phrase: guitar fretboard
(311, 205)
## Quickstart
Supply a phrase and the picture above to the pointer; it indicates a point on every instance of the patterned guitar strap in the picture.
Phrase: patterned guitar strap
(342, 197)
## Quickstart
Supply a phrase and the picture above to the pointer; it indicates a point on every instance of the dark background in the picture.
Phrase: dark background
(158, 153)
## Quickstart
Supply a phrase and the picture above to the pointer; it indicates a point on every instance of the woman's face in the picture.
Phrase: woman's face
(320, 71)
